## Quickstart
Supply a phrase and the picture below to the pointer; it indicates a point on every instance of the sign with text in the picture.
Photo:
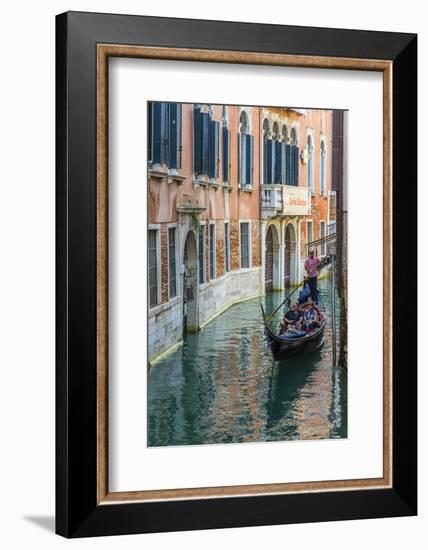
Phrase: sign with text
(296, 200)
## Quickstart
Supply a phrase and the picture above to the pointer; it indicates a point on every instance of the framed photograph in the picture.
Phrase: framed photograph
(236, 274)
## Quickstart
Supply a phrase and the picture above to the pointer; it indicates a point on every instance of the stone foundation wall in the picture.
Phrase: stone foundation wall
(165, 327)
(224, 291)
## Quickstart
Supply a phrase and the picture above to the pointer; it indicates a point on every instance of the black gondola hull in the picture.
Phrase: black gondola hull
(287, 349)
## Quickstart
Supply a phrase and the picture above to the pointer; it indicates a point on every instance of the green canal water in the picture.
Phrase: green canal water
(223, 386)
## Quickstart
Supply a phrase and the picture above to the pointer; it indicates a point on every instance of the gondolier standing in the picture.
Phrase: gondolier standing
(311, 267)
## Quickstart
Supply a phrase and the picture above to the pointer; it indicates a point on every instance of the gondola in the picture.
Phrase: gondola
(285, 347)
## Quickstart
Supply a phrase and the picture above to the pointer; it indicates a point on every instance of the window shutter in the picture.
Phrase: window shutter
(277, 162)
(197, 140)
(213, 149)
(225, 153)
(173, 135)
(296, 166)
(205, 143)
(269, 161)
(288, 163)
(283, 163)
(158, 132)
(248, 159)
(179, 138)
(242, 141)
(150, 132)
(265, 156)
(217, 147)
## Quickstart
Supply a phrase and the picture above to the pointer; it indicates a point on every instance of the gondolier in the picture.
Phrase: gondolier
(311, 266)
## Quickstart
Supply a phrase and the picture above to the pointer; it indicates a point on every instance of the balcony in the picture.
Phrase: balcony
(285, 200)
(271, 200)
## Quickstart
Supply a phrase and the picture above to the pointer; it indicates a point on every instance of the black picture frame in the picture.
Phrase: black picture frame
(77, 512)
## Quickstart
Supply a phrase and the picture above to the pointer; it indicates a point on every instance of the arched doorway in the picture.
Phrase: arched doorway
(190, 283)
(271, 259)
(289, 256)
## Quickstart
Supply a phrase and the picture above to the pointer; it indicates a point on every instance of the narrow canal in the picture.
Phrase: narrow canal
(223, 386)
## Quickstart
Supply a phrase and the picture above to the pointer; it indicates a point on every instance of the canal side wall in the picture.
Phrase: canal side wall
(221, 293)
(165, 327)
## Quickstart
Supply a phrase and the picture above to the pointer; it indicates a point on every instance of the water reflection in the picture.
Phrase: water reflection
(223, 386)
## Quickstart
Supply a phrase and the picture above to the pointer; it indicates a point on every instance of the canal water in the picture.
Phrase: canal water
(223, 386)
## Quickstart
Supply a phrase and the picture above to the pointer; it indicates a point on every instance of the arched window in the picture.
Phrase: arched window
(276, 154)
(267, 169)
(292, 159)
(323, 168)
(310, 165)
(245, 144)
(284, 142)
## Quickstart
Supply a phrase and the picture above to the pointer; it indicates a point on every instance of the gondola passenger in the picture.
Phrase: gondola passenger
(311, 318)
(292, 319)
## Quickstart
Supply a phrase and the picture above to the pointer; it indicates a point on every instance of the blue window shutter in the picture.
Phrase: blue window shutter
(278, 158)
(150, 131)
(296, 181)
(265, 156)
(213, 149)
(248, 158)
(197, 140)
(283, 163)
(225, 153)
(269, 161)
(288, 164)
(205, 143)
(217, 147)
(158, 115)
(173, 135)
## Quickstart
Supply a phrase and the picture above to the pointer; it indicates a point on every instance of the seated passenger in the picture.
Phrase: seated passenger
(292, 319)
(311, 318)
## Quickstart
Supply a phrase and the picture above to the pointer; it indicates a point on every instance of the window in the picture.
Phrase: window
(153, 268)
(245, 244)
(225, 146)
(322, 235)
(165, 134)
(323, 168)
(245, 152)
(310, 233)
(310, 165)
(292, 159)
(276, 154)
(172, 265)
(284, 142)
(205, 143)
(201, 255)
(267, 152)
(226, 247)
(212, 251)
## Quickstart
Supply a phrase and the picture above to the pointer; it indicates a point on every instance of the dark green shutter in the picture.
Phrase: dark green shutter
(269, 161)
(225, 153)
(277, 162)
(205, 143)
(213, 149)
(197, 140)
(173, 135)
(248, 158)
(288, 164)
(296, 166)
(159, 138)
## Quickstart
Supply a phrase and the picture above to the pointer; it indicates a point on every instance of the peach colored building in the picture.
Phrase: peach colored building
(298, 205)
(235, 194)
(204, 250)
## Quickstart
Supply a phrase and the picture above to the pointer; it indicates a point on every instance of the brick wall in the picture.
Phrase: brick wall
(220, 265)
(234, 245)
(164, 262)
(255, 243)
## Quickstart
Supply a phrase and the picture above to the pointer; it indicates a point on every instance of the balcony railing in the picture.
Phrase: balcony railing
(285, 200)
